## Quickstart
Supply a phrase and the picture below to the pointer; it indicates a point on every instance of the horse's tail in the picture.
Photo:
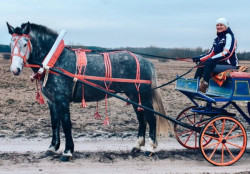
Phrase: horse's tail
(163, 127)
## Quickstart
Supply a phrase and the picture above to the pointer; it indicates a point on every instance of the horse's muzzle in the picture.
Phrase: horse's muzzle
(17, 71)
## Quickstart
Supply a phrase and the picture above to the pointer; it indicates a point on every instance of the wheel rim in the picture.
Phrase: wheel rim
(186, 137)
(228, 142)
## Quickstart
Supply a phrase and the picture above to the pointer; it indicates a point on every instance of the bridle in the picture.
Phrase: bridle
(28, 50)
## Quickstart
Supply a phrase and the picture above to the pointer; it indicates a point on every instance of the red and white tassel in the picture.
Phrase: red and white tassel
(84, 104)
(139, 109)
(39, 97)
(97, 115)
(106, 121)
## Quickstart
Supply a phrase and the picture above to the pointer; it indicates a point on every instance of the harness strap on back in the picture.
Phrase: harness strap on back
(108, 74)
(81, 64)
(137, 83)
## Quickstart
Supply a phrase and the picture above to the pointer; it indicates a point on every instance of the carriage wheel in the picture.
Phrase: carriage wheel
(228, 142)
(186, 137)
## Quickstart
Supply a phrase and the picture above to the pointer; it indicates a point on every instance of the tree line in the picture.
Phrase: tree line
(5, 49)
(152, 50)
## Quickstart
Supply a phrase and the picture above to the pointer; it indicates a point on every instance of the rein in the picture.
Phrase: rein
(186, 59)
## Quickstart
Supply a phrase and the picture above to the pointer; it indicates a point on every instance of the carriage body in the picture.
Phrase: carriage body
(215, 122)
(234, 89)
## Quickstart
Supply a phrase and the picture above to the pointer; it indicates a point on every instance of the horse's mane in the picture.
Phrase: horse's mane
(42, 39)
(40, 30)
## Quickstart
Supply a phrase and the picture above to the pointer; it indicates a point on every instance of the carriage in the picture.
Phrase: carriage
(220, 137)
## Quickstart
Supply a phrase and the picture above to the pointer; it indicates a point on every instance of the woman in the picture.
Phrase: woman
(221, 57)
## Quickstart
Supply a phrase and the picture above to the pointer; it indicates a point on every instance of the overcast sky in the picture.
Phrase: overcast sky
(134, 23)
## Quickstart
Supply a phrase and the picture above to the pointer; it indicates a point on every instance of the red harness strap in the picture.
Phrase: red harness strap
(81, 78)
(57, 54)
(137, 83)
(81, 62)
(108, 74)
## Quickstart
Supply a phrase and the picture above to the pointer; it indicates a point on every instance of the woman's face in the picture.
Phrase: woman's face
(220, 28)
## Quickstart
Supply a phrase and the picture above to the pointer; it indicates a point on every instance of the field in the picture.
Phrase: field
(25, 132)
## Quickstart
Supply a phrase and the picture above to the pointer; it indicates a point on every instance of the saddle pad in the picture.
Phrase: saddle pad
(81, 58)
(222, 77)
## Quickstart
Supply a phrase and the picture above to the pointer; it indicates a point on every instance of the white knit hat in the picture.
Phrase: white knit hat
(222, 21)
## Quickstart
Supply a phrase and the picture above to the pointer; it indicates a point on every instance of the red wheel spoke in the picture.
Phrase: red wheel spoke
(189, 137)
(190, 121)
(200, 124)
(231, 130)
(195, 139)
(185, 114)
(214, 151)
(201, 118)
(229, 151)
(222, 153)
(235, 145)
(187, 131)
(223, 126)
(210, 145)
(235, 136)
(211, 137)
(216, 130)
(205, 139)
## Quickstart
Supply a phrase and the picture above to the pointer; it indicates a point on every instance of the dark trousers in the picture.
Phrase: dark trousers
(211, 66)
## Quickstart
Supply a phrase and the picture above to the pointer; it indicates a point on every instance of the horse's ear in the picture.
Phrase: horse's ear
(26, 28)
(10, 28)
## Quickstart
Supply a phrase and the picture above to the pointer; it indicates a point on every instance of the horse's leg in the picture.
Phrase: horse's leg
(55, 123)
(64, 112)
(150, 117)
(141, 131)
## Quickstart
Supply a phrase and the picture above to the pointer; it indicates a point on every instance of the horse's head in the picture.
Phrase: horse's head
(20, 47)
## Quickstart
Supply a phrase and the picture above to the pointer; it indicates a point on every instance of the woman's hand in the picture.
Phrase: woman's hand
(196, 59)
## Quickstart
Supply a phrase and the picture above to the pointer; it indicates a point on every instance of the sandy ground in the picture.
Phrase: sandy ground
(25, 133)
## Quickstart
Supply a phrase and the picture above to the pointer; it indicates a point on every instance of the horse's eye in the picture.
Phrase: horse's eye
(24, 45)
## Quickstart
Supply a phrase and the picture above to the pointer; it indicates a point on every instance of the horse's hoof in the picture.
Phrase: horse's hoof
(149, 154)
(65, 158)
(135, 150)
(51, 151)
